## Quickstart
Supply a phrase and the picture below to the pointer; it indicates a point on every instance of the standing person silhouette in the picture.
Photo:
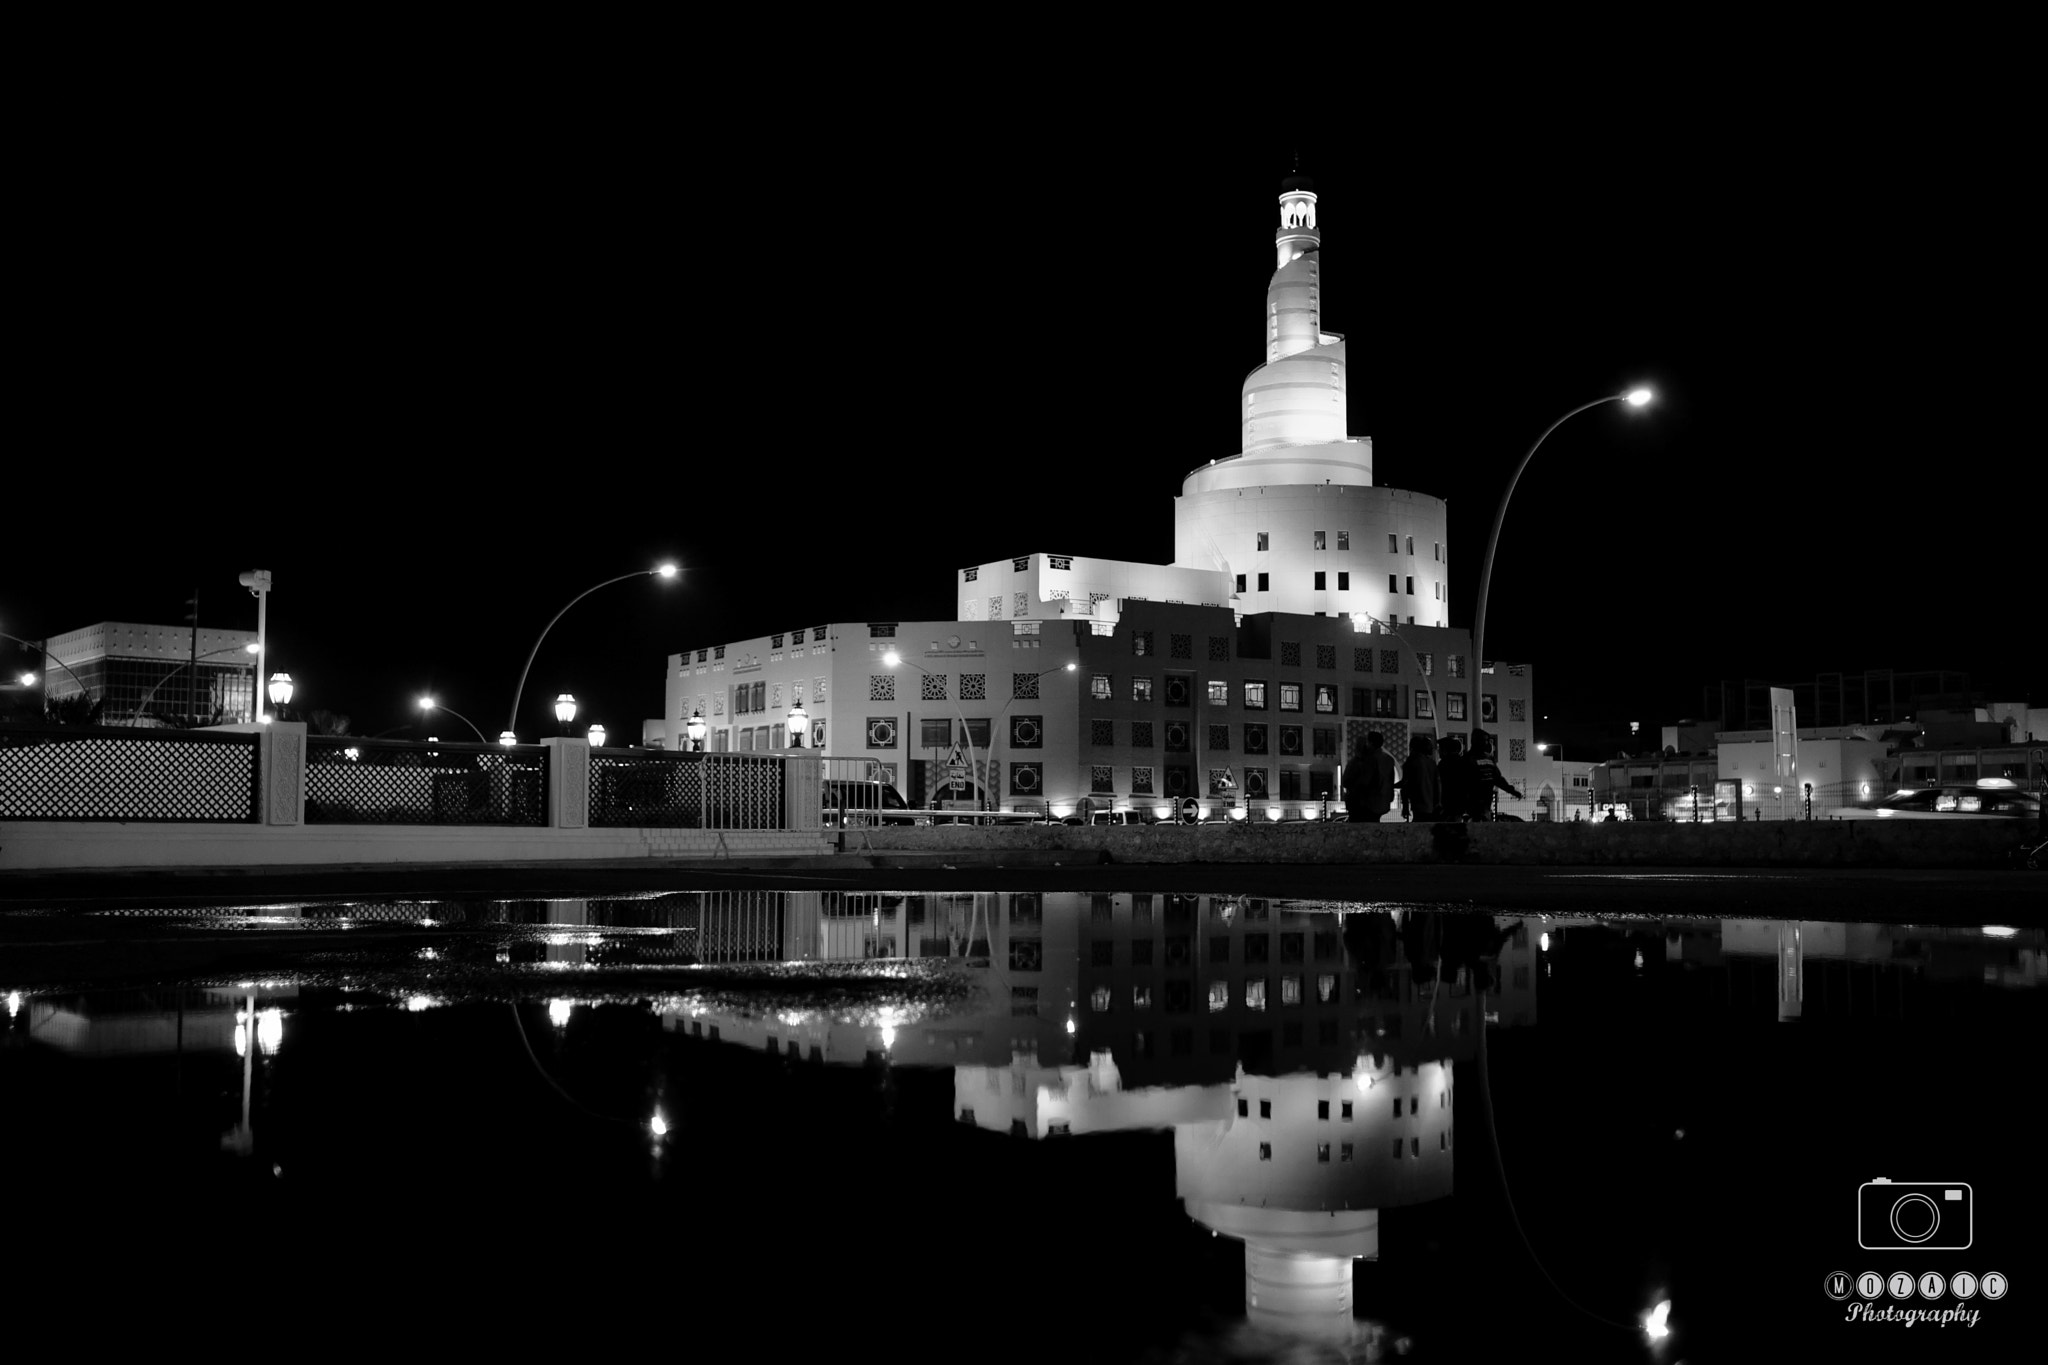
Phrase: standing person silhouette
(1457, 778)
(1369, 780)
(1421, 793)
(1486, 778)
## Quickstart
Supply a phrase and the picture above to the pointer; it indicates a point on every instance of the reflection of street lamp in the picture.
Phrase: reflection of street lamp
(665, 571)
(799, 722)
(429, 704)
(695, 729)
(565, 711)
(1635, 398)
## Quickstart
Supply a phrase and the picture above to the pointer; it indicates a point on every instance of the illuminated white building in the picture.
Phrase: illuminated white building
(1305, 608)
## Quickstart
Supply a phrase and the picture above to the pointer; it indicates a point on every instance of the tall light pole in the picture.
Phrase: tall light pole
(665, 571)
(1635, 398)
(257, 581)
(429, 704)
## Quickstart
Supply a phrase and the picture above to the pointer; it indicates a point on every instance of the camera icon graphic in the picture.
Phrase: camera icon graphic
(1914, 1215)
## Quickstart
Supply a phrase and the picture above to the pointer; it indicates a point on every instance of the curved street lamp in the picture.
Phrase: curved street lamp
(142, 707)
(665, 571)
(429, 704)
(1635, 398)
(44, 649)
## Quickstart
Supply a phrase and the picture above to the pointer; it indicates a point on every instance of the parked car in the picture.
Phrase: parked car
(1109, 817)
(1990, 798)
(876, 800)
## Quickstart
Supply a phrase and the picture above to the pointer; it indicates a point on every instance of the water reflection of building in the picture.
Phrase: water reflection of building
(1856, 968)
(1304, 1061)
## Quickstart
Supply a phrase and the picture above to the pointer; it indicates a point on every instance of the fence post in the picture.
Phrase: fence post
(803, 792)
(568, 783)
(281, 757)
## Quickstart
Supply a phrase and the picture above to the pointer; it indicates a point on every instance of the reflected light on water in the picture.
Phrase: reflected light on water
(270, 1031)
(658, 1124)
(415, 1003)
(1990, 931)
(558, 1013)
(13, 1003)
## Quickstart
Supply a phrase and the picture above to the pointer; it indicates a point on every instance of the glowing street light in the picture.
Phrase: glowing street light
(429, 704)
(696, 729)
(280, 690)
(666, 572)
(799, 725)
(597, 736)
(1635, 398)
(565, 711)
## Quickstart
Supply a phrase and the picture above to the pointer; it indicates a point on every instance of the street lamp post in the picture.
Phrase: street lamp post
(257, 581)
(1635, 398)
(429, 704)
(142, 707)
(695, 729)
(666, 571)
(597, 736)
(565, 711)
(43, 648)
(799, 722)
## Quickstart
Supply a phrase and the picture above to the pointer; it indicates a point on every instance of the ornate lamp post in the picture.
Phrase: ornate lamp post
(597, 736)
(280, 690)
(695, 730)
(799, 725)
(565, 711)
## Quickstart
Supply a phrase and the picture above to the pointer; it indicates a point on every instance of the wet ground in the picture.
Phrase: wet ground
(945, 1119)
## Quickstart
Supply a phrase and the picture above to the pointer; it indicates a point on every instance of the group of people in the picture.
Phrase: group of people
(1460, 786)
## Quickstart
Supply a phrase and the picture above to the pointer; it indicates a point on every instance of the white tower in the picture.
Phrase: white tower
(1294, 512)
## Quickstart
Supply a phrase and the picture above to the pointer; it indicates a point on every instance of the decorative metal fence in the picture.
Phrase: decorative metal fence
(652, 790)
(96, 773)
(399, 782)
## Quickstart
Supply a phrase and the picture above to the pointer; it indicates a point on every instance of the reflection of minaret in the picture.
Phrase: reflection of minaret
(1791, 971)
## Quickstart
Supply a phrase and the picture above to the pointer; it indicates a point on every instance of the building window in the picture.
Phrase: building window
(1326, 656)
(1255, 695)
(1290, 654)
(1320, 576)
(1326, 698)
(1343, 540)
(1262, 540)
(1319, 541)
(1141, 734)
(1345, 1111)
(1411, 545)
(1426, 662)
(1266, 1148)
(1385, 702)
(1398, 1148)
(1323, 1109)
(1023, 687)
(1141, 783)
(1290, 778)
(1141, 642)
(1255, 995)
(1240, 583)
(1101, 779)
(1101, 733)
(881, 687)
(1181, 646)
(1423, 709)
(1255, 739)
(1219, 649)
(1099, 686)
(1290, 746)
(1518, 751)
(1027, 779)
(1290, 696)
(881, 732)
(1393, 543)
(1220, 781)
(1290, 994)
(1390, 661)
(1265, 1109)
(931, 687)
(1177, 739)
(1219, 999)
(1456, 664)
(1326, 741)
(1263, 580)
(1394, 585)
(1141, 689)
(1244, 1107)
(1439, 548)
(1219, 738)
(1343, 581)
(1027, 732)
(934, 734)
(1411, 585)
(1454, 705)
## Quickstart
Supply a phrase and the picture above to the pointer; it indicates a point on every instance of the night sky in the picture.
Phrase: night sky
(442, 363)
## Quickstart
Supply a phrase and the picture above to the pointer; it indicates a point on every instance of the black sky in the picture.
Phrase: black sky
(441, 362)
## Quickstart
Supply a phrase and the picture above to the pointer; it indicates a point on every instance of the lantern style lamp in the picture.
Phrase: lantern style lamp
(696, 731)
(799, 723)
(597, 736)
(565, 710)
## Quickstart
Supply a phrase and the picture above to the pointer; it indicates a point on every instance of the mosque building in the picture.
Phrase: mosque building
(1306, 606)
